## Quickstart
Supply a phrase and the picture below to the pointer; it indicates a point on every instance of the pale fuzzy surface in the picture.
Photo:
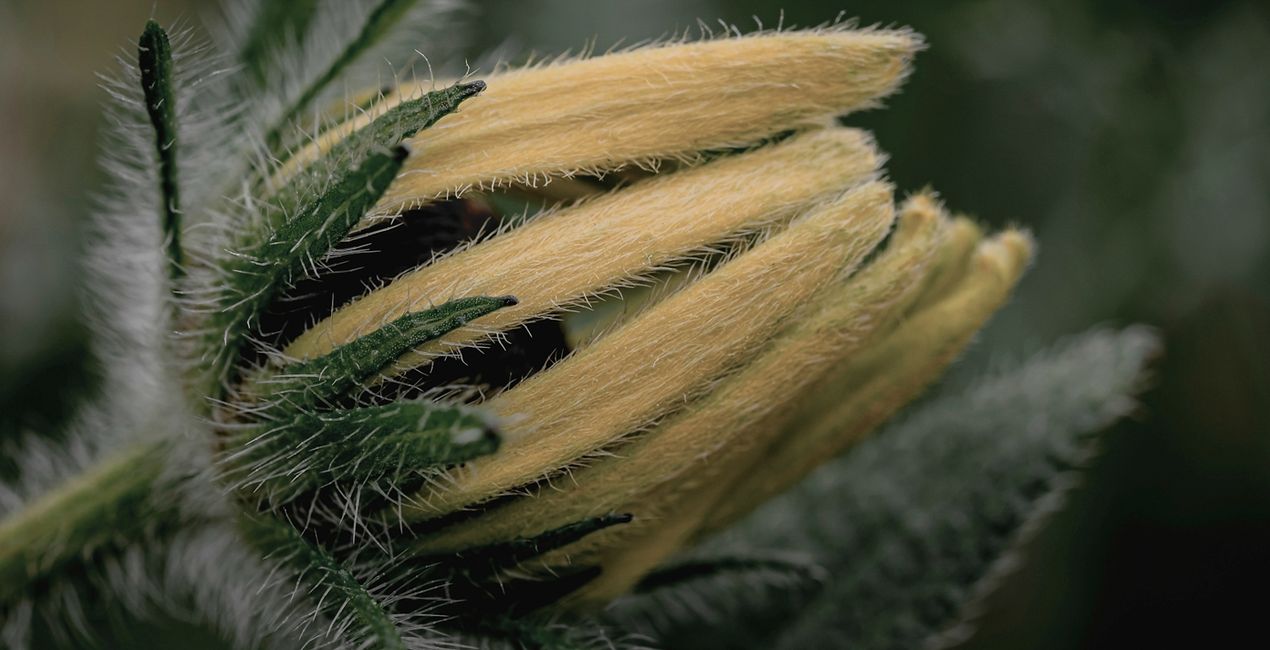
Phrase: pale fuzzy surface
(866, 392)
(560, 258)
(951, 262)
(722, 442)
(914, 356)
(687, 450)
(664, 357)
(643, 105)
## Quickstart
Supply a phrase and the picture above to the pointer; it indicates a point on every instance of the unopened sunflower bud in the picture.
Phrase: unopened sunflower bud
(775, 332)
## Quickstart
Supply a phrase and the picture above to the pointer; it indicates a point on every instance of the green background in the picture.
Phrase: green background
(1133, 138)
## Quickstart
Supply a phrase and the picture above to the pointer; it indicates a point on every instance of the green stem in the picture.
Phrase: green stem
(105, 504)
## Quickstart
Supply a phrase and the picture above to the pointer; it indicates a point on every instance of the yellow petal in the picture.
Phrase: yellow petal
(639, 106)
(559, 259)
(888, 374)
(661, 359)
(952, 262)
(646, 474)
(902, 366)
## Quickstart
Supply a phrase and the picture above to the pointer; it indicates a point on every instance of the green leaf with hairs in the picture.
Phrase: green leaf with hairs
(386, 131)
(374, 444)
(328, 583)
(313, 212)
(305, 385)
(259, 273)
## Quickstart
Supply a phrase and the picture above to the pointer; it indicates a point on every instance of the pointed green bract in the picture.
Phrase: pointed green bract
(304, 385)
(327, 582)
(388, 130)
(356, 447)
(312, 213)
(154, 59)
(261, 272)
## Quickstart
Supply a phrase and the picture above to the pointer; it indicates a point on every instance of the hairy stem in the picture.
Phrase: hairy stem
(105, 504)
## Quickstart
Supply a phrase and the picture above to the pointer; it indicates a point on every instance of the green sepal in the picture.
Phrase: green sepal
(361, 446)
(154, 59)
(260, 273)
(305, 385)
(388, 130)
(311, 214)
(332, 586)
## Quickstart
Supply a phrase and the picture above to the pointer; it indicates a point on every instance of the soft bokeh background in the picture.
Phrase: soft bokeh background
(1133, 138)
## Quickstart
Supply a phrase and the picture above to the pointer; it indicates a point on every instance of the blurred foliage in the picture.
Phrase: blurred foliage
(1133, 137)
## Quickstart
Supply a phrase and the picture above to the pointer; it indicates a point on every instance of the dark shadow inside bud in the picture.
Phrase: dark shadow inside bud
(477, 373)
(519, 200)
(376, 255)
(519, 354)
(372, 258)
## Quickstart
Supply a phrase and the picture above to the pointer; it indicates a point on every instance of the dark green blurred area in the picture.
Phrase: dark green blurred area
(1132, 138)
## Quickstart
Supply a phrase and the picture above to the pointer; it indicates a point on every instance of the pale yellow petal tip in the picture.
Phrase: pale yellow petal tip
(1007, 253)
(965, 229)
(921, 211)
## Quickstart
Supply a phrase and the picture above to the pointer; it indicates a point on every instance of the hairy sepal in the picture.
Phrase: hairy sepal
(374, 446)
(302, 386)
(311, 213)
(333, 588)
